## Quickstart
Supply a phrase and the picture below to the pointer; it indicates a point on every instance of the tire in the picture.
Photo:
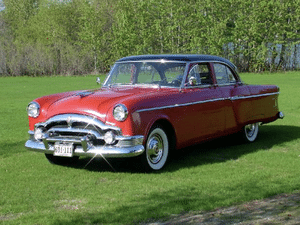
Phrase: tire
(250, 132)
(156, 149)
(61, 160)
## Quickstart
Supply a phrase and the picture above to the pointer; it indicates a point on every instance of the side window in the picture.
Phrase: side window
(174, 74)
(199, 75)
(223, 74)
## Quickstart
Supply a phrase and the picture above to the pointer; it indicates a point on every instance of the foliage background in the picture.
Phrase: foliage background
(46, 37)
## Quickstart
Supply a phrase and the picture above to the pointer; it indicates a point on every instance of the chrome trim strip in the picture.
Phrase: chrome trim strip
(206, 101)
(199, 86)
(73, 130)
(153, 60)
(253, 96)
(227, 84)
(180, 105)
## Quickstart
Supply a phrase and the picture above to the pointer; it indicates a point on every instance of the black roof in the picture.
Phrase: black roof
(179, 57)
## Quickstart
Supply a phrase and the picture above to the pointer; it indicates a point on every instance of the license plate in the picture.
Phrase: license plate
(65, 149)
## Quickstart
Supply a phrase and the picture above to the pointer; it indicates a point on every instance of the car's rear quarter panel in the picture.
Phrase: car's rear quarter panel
(265, 108)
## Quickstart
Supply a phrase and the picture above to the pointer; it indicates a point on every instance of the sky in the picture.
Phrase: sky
(1, 5)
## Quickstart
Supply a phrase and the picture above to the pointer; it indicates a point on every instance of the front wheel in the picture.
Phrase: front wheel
(61, 160)
(156, 149)
(250, 132)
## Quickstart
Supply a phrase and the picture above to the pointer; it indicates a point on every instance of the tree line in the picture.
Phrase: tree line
(46, 37)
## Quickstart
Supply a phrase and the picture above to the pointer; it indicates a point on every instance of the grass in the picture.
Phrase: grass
(203, 177)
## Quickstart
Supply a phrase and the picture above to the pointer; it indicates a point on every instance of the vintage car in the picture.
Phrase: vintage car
(148, 106)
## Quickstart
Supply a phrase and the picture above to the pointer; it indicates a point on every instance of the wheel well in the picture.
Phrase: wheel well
(170, 131)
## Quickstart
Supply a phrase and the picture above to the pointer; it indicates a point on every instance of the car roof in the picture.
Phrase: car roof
(179, 57)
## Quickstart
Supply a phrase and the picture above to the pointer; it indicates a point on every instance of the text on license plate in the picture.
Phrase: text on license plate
(65, 149)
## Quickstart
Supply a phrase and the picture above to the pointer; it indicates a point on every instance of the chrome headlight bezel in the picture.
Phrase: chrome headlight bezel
(33, 109)
(120, 112)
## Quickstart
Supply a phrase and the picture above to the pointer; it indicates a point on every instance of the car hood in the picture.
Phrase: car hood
(93, 102)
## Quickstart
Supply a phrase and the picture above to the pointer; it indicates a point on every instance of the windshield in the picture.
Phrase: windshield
(147, 73)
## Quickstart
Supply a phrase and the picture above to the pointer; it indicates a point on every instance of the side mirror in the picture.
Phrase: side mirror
(192, 81)
(98, 80)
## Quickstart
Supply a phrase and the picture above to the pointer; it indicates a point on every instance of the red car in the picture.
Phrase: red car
(148, 106)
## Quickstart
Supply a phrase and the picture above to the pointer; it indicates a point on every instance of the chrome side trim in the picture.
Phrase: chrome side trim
(253, 96)
(205, 101)
(180, 105)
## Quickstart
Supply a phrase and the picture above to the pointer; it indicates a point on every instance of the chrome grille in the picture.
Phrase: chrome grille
(78, 129)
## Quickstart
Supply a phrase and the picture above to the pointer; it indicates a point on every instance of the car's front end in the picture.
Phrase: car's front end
(69, 135)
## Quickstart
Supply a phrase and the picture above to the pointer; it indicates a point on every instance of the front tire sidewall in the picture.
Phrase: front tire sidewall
(149, 163)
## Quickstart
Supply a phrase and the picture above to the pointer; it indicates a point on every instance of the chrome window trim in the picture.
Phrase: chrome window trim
(205, 101)
(132, 61)
(227, 84)
(152, 60)
(199, 86)
(185, 74)
(178, 61)
(188, 63)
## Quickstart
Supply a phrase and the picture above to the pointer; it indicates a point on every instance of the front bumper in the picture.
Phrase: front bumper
(133, 147)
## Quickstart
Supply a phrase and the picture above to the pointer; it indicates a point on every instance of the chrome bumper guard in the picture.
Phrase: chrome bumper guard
(126, 146)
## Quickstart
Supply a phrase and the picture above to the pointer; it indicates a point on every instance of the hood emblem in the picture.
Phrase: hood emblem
(69, 122)
(84, 94)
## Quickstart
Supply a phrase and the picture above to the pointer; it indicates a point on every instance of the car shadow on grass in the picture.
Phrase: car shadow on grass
(184, 198)
(9, 148)
(214, 151)
(232, 147)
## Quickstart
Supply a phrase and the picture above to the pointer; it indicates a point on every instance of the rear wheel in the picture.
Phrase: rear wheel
(156, 149)
(250, 132)
(61, 160)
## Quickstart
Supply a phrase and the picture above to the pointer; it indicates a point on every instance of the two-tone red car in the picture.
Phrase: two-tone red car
(148, 106)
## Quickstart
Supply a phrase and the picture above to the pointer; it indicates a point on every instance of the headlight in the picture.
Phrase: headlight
(33, 109)
(120, 112)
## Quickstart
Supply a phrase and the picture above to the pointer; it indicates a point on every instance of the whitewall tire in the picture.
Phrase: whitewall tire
(156, 149)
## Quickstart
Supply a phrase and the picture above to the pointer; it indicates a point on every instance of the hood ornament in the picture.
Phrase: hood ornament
(85, 93)
(69, 122)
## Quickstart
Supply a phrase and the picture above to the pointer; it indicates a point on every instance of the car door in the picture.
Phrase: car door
(237, 103)
(203, 113)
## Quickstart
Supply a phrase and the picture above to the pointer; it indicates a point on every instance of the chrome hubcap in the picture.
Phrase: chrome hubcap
(250, 129)
(155, 149)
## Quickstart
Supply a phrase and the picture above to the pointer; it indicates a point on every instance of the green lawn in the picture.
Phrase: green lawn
(203, 177)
